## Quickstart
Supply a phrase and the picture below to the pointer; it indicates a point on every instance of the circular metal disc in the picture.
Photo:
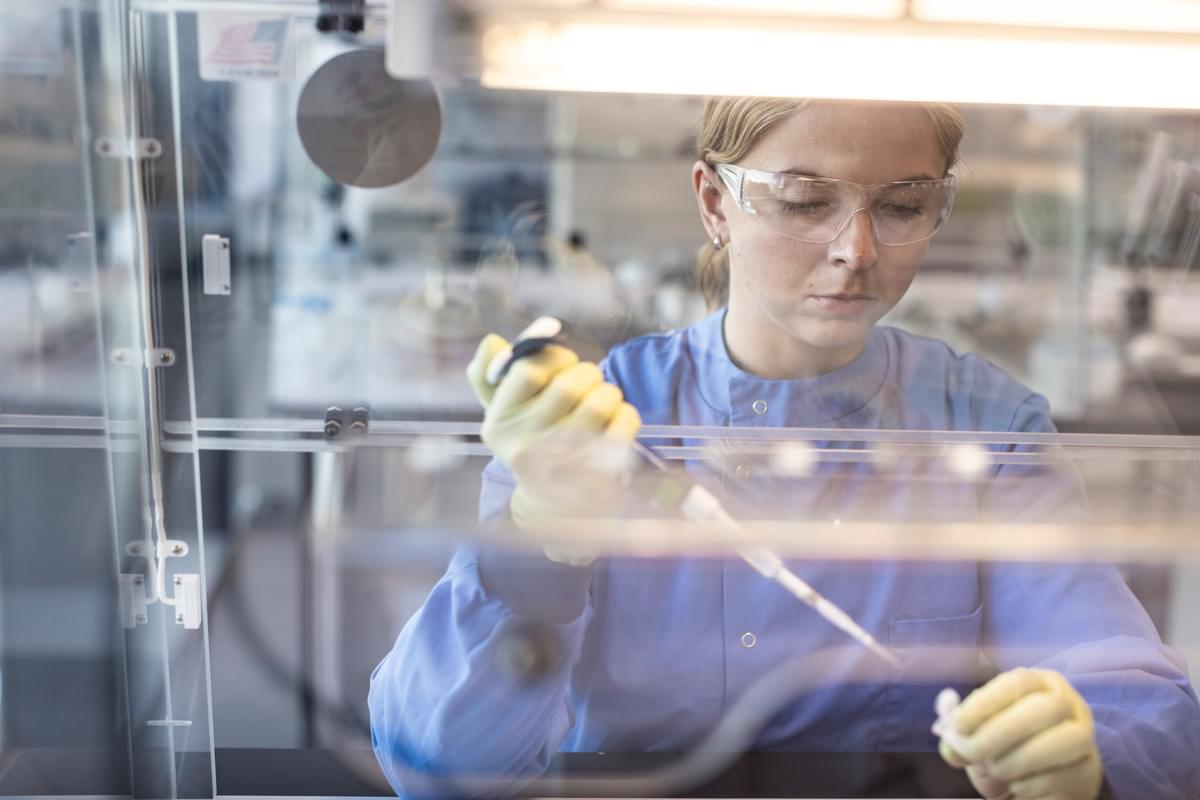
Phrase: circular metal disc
(364, 128)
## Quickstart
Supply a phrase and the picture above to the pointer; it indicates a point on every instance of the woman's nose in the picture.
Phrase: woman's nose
(855, 246)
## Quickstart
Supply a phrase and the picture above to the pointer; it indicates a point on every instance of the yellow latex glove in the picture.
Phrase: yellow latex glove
(562, 431)
(1028, 733)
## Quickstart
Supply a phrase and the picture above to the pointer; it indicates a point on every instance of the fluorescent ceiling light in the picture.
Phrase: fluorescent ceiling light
(872, 9)
(916, 61)
(1171, 16)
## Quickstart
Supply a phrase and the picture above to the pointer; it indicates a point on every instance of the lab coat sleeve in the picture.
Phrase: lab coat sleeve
(446, 700)
(1082, 620)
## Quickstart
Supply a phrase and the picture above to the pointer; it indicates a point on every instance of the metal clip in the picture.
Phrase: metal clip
(79, 259)
(338, 421)
(360, 419)
(152, 358)
(122, 148)
(341, 15)
(215, 251)
(333, 422)
(133, 600)
(188, 600)
(160, 357)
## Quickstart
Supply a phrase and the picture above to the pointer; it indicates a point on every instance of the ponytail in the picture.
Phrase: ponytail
(712, 275)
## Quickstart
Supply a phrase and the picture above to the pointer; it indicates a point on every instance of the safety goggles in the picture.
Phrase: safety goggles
(817, 210)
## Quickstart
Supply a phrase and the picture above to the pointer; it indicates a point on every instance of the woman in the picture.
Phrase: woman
(818, 216)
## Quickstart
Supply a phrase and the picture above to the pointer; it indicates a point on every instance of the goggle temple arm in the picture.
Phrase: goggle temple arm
(735, 181)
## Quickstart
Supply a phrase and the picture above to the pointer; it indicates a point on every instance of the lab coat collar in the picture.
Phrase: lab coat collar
(836, 397)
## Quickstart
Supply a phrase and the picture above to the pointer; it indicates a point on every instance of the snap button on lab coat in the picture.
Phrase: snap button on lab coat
(742, 472)
(760, 407)
(749, 640)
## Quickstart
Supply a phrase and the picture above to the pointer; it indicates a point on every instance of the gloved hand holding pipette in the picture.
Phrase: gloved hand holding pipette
(560, 429)
(545, 435)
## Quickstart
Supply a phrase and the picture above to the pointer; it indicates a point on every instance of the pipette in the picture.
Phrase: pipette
(677, 493)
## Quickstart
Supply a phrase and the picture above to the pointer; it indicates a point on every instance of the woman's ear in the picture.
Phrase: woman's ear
(709, 196)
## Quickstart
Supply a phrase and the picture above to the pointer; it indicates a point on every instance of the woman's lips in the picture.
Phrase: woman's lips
(841, 304)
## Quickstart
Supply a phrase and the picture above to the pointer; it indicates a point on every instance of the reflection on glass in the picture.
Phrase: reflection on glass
(321, 460)
(559, 646)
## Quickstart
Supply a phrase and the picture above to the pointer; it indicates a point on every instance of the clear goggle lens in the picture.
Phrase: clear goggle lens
(817, 210)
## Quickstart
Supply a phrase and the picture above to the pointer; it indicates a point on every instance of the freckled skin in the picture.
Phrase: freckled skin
(774, 327)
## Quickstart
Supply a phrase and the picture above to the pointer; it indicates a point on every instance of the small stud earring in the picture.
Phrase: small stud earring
(717, 243)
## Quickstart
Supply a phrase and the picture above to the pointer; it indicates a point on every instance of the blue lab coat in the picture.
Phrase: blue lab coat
(653, 651)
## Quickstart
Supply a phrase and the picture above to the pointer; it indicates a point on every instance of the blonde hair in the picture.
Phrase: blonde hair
(730, 126)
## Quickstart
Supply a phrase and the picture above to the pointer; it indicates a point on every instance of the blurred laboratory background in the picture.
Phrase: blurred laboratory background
(247, 249)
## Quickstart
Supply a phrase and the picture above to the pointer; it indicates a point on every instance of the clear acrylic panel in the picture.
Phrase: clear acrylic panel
(1000, 472)
(105, 667)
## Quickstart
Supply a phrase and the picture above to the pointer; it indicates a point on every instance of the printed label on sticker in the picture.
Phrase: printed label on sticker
(240, 47)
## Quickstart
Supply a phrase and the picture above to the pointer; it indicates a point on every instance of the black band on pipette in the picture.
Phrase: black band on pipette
(528, 347)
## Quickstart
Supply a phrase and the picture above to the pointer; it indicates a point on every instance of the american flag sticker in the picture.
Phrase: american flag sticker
(238, 47)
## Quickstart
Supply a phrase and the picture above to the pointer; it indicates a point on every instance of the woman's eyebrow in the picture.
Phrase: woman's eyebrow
(801, 172)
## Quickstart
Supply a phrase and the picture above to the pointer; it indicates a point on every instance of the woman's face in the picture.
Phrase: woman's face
(822, 299)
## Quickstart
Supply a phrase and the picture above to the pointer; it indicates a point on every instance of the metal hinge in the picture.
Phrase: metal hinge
(135, 597)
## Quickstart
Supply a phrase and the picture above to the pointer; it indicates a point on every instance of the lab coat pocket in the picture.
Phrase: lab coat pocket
(934, 653)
